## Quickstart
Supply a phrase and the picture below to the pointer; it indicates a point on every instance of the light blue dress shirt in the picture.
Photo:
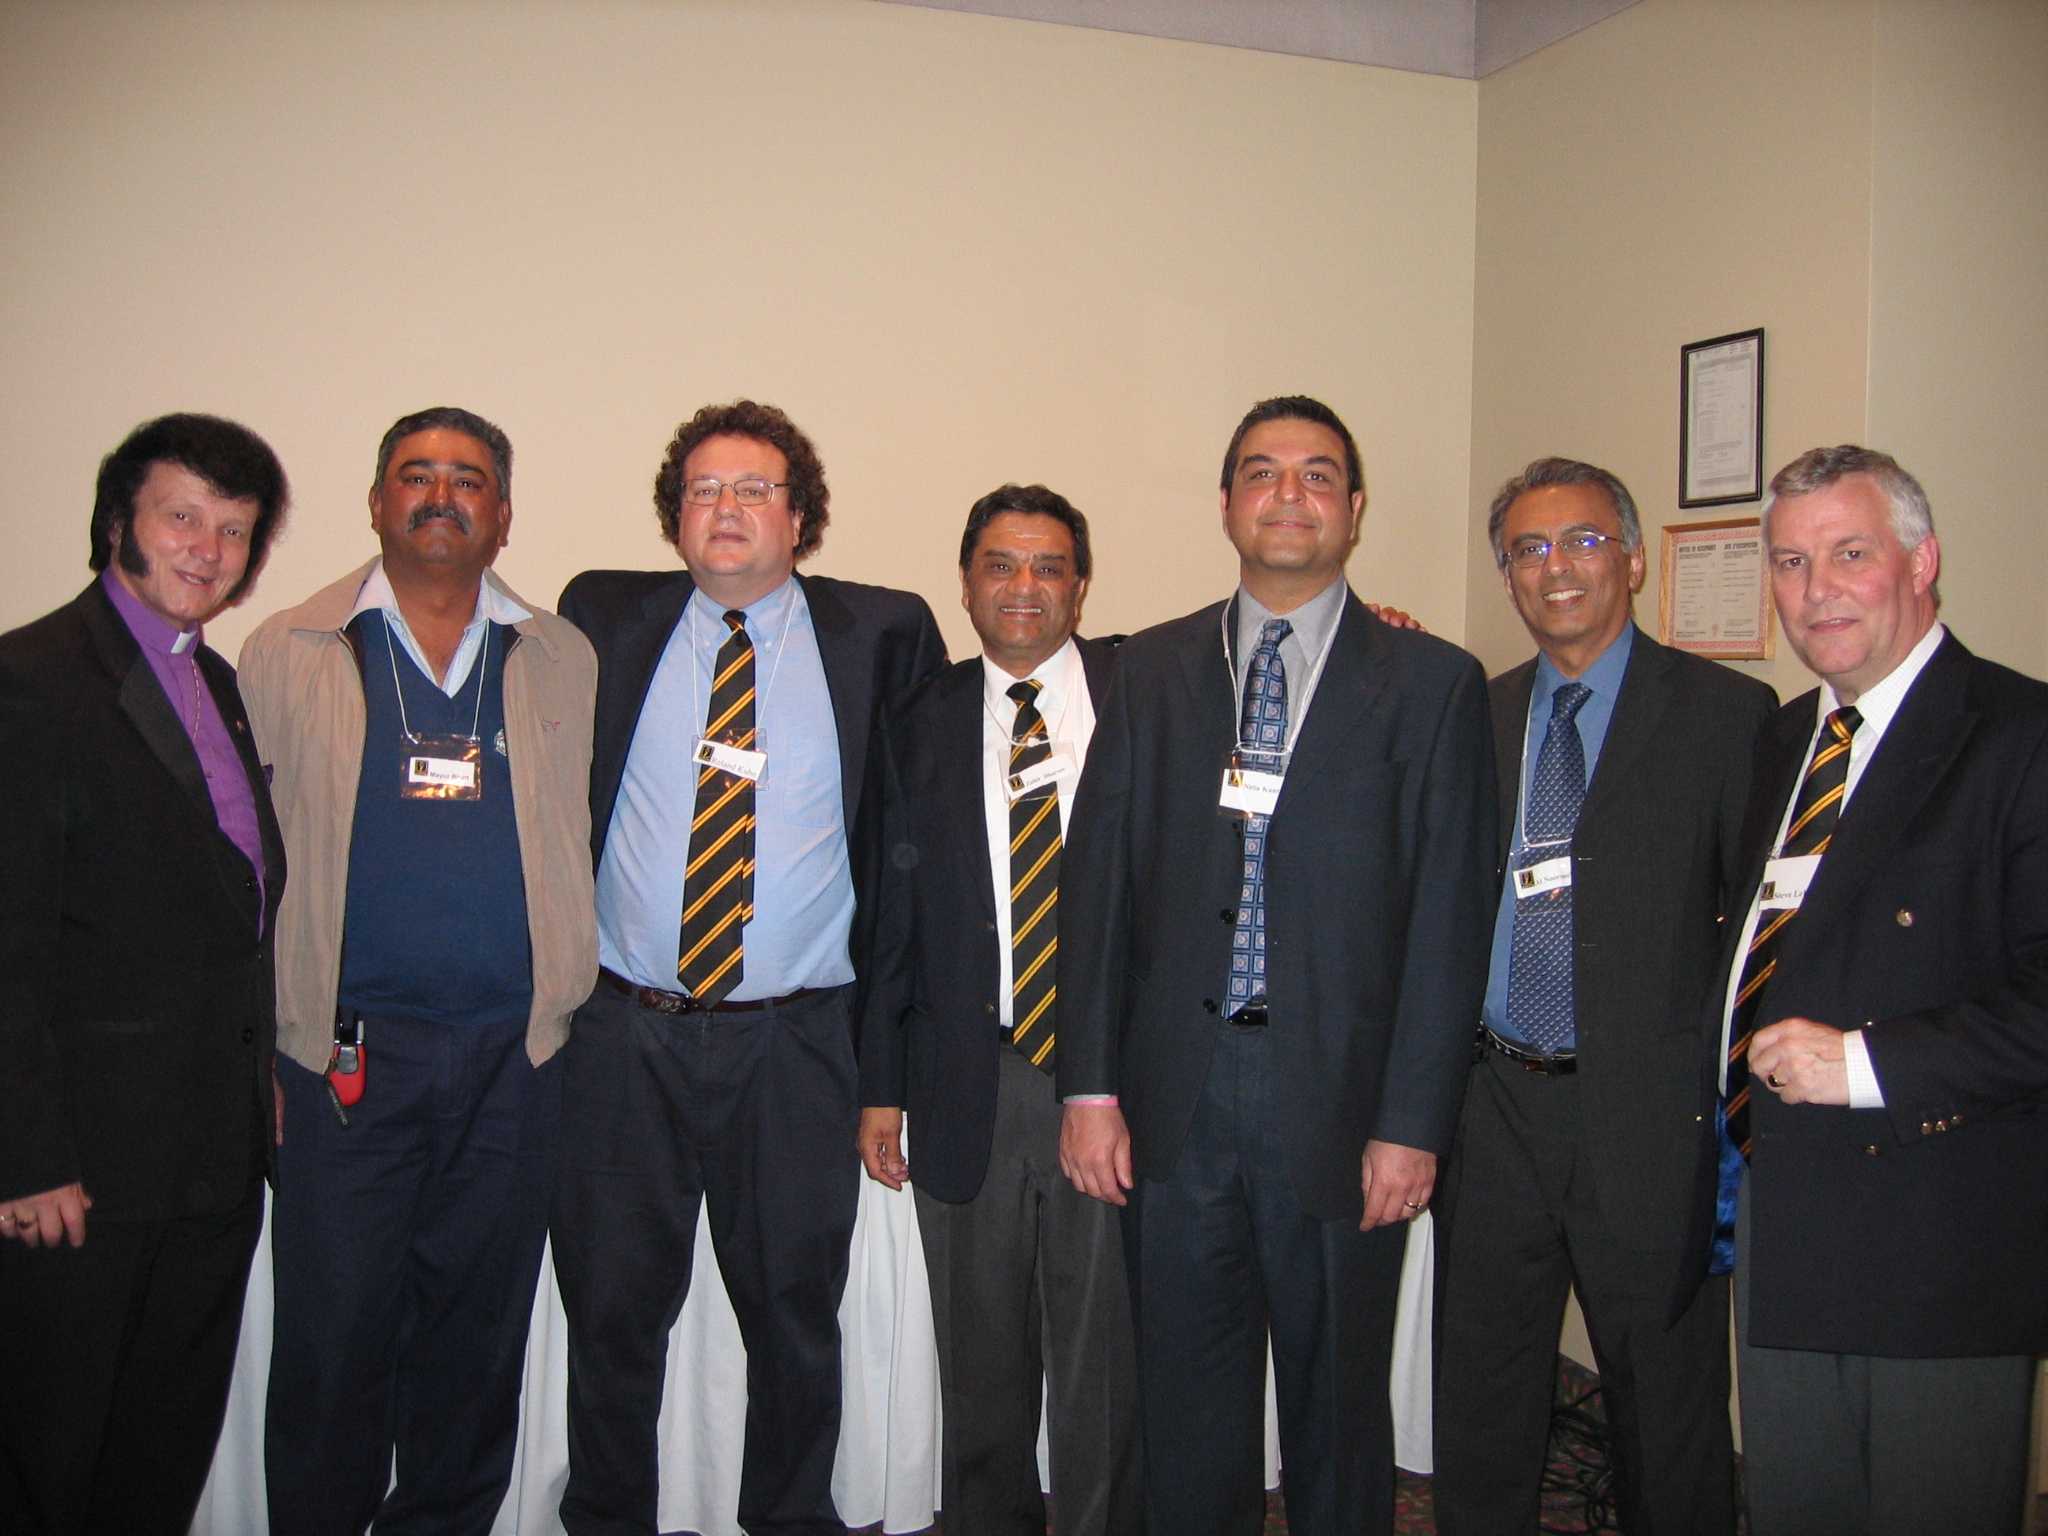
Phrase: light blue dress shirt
(1604, 678)
(803, 884)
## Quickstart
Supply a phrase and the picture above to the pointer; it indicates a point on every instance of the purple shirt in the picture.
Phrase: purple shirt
(170, 653)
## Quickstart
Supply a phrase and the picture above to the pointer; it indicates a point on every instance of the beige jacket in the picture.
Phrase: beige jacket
(304, 692)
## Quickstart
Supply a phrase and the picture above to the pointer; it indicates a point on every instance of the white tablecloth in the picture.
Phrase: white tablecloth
(887, 1468)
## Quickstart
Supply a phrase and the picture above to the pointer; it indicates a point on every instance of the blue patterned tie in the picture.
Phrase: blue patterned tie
(1540, 1008)
(1262, 726)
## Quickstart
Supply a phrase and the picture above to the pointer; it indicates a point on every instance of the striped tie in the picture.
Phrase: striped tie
(1034, 886)
(1815, 811)
(718, 884)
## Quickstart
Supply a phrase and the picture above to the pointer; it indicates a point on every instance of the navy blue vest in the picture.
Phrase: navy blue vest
(435, 925)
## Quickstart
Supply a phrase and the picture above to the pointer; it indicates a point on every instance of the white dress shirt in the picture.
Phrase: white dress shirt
(1069, 715)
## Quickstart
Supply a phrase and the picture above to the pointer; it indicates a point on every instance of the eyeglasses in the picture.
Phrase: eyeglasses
(748, 491)
(1575, 546)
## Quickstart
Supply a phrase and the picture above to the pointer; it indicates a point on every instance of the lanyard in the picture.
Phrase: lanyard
(760, 694)
(1225, 622)
(483, 660)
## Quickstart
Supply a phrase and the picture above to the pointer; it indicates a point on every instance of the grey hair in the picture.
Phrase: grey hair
(1818, 468)
(452, 418)
(1544, 473)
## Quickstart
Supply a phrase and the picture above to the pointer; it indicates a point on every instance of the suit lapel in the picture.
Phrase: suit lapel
(961, 782)
(1509, 697)
(1932, 726)
(849, 681)
(1638, 713)
(1352, 679)
(625, 673)
(221, 683)
(141, 699)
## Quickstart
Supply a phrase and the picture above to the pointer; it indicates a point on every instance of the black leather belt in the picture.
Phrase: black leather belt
(1250, 1016)
(1530, 1061)
(678, 1003)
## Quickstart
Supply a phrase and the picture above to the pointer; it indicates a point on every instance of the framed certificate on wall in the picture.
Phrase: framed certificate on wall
(1721, 420)
(1713, 599)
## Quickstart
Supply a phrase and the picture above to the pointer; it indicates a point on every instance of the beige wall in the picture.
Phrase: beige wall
(958, 249)
(1959, 298)
(1636, 192)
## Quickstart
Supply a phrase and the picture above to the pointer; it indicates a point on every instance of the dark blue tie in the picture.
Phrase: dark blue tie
(1540, 1009)
(1263, 726)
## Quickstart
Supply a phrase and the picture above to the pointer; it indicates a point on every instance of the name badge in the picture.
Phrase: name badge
(1251, 782)
(441, 768)
(727, 758)
(1543, 877)
(1785, 882)
(1056, 769)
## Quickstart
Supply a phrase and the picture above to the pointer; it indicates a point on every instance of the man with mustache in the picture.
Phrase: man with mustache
(429, 736)
(142, 878)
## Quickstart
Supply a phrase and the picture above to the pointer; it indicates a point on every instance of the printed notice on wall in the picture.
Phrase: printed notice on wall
(1714, 599)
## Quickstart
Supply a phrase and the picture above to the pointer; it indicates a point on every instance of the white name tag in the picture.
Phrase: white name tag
(1785, 882)
(441, 778)
(1059, 768)
(1252, 781)
(1543, 877)
(727, 758)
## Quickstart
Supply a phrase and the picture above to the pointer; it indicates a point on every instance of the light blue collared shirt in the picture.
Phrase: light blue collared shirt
(492, 606)
(1604, 678)
(803, 883)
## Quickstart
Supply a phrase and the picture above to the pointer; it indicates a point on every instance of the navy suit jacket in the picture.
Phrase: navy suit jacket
(875, 642)
(1918, 1229)
(928, 1040)
(1379, 859)
(137, 1004)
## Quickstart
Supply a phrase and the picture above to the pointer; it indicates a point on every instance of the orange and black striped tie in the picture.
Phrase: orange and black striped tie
(718, 884)
(1034, 887)
(1815, 810)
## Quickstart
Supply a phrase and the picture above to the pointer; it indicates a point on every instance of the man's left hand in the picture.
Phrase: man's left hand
(1399, 618)
(1398, 1181)
(1800, 1061)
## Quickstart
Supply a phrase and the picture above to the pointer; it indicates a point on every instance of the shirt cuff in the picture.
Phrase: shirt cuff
(1108, 1099)
(1864, 1092)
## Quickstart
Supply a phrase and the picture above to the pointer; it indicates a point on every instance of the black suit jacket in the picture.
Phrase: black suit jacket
(1655, 862)
(137, 1008)
(928, 1039)
(875, 643)
(1919, 1229)
(1378, 861)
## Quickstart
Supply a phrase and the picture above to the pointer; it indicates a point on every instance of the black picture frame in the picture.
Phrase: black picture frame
(1721, 420)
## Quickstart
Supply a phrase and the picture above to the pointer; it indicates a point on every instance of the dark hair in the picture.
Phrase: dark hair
(455, 419)
(230, 458)
(1034, 499)
(1544, 473)
(808, 497)
(1294, 408)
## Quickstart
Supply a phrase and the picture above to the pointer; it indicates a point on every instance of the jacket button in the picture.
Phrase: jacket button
(1871, 1150)
(248, 1037)
(1903, 918)
(989, 924)
(1926, 1127)
(1228, 914)
(988, 1007)
(1208, 1005)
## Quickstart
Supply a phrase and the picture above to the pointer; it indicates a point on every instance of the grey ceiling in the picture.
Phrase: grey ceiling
(1464, 38)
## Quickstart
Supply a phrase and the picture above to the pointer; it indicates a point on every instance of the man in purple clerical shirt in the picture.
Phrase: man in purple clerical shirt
(143, 869)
